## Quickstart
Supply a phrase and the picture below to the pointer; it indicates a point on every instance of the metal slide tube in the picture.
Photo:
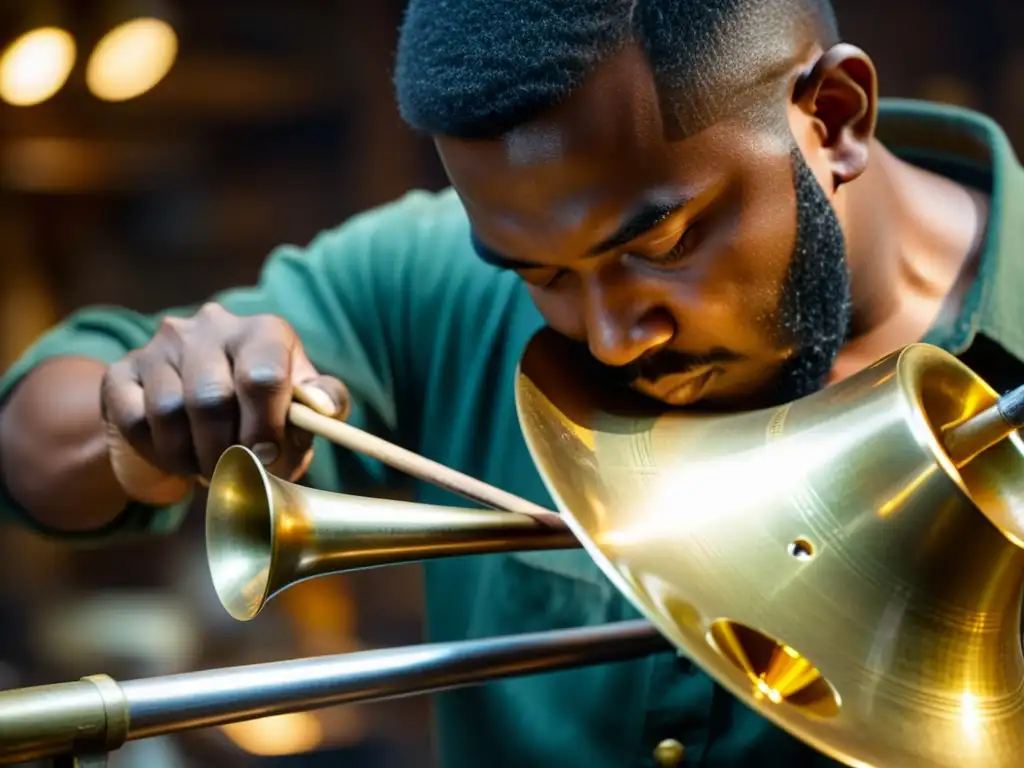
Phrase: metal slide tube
(98, 714)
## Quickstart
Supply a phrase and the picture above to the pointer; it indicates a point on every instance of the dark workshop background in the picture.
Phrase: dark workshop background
(275, 120)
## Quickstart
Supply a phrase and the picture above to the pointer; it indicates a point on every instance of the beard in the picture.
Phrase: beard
(815, 310)
(812, 317)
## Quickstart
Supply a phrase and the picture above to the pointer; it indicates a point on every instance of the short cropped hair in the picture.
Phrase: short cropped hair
(476, 69)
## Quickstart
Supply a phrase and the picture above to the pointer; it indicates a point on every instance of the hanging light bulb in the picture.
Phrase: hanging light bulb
(134, 55)
(37, 63)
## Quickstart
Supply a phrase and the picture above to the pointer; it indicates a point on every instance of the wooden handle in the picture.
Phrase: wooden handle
(413, 464)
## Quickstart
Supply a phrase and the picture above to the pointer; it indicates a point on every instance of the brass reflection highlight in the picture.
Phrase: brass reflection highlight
(841, 574)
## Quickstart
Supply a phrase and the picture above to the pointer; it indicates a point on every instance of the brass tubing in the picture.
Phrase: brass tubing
(87, 715)
(264, 534)
(54, 720)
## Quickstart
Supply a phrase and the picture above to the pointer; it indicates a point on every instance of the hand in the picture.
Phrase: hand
(201, 385)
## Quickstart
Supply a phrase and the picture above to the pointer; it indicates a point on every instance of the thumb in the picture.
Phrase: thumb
(324, 394)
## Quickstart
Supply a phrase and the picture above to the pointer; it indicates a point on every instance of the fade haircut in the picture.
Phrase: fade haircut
(476, 69)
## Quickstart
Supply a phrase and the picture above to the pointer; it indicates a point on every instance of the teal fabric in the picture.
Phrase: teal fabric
(428, 337)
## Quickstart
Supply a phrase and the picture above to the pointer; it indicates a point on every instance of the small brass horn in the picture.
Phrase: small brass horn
(264, 534)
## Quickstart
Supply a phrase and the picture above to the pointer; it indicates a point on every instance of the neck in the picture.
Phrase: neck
(912, 241)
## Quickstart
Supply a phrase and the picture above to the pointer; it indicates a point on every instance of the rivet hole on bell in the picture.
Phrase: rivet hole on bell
(801, 549)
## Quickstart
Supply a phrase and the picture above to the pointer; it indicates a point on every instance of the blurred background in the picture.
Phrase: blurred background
(154, 152)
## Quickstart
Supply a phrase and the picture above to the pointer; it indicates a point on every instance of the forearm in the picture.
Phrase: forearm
(53, 452)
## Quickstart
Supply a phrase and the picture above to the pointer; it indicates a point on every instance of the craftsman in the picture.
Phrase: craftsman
(708, 194)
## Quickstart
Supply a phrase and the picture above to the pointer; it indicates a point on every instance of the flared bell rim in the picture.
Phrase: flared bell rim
(692, 630)
(914, 364)
(240, 534)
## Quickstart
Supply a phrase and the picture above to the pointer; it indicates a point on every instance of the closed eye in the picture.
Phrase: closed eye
(683, 248)
(544, 277)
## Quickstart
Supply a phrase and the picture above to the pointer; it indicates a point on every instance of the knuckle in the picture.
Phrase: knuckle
(212, 320)
(211, 398)
(167, 408)
(117, 372)
(212, 310)
(264, 378)
(269, 326)
(174, 327)
(213, 317)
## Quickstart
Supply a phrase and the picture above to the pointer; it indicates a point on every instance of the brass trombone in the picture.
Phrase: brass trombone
(849, 565)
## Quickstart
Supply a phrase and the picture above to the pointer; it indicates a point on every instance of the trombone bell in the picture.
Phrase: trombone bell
(824, 561)
(264, 534)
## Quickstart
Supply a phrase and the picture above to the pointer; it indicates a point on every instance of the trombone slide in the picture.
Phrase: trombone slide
(98, 714)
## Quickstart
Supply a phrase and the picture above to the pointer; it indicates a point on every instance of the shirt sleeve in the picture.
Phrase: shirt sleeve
(346, 296)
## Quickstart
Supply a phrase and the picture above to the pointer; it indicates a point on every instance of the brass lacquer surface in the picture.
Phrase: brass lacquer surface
(823, 561)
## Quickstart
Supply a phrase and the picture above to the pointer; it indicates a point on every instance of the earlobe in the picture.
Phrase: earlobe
(840, 93)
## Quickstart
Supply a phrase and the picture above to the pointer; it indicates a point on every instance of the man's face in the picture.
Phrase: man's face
(709, 268)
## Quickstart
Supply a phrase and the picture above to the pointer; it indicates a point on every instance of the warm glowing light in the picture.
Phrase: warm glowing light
(972, 720)
(131, 59)
(36, 65)
(289, 734)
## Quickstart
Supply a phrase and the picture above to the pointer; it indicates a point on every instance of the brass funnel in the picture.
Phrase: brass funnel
(824, 561)
(264, 534)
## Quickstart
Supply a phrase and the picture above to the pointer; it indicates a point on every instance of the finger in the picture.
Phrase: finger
(210, 402)
(123, 407)
(262, 368)
(168, 419)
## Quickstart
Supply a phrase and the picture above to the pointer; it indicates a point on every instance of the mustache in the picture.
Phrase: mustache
(670, 362)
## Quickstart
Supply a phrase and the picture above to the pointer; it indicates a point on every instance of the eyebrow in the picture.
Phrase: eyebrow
(643, 220)
(496, 259)
(648, 216)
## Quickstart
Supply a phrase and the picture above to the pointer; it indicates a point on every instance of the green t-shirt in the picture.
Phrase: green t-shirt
(396, 303)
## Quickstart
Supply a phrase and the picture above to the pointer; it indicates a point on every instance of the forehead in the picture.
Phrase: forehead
(614, 121)
(563, 181)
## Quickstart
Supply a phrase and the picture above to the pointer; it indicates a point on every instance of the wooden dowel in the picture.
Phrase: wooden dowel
(413, 464)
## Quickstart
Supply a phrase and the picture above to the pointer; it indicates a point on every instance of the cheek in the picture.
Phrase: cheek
(741, 279)
(560, 310)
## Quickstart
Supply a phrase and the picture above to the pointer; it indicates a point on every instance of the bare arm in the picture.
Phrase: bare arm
(53, 452)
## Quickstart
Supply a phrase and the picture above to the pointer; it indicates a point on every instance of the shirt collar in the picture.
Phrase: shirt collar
(971, 148)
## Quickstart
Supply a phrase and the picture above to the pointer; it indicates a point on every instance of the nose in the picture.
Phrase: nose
(621, 329)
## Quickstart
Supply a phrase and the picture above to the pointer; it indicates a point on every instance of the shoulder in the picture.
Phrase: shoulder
(421, 243)
(419, 219)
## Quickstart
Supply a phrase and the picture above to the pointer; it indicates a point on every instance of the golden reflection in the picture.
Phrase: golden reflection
(278, 735)
(841, 576)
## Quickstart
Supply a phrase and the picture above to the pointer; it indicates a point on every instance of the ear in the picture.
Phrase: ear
(840, 93)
